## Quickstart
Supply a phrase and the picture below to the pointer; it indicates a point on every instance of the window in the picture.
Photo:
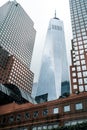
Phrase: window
(76, 52)
(85, 80)
(45, 127)
(85, 87)
(79, 106)
(76, 48)
(27, 115)
(81, 56)
(81, 47)
(84, 67)
(45, 112)
(39, 128)
(78, 62)
(75, 86)
(55, 110)
(74, 80)
(18, 118)
(78, 68)
(84, 73)
(79, 74)
(80, 81)
(73, 69)
(3, 121)
(85, 46)
(67, 108)
(11, 119)
(55, 126)
(77, 57)
(82, 62)
(34, 128)
(49, 127)
(73, 74)
(81, 88)
(81, 51)
(35, 114)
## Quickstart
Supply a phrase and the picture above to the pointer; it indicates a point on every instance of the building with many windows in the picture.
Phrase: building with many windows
(54, 76)
(63, 111)
(78, 9)
(48, 115)
(17, 36)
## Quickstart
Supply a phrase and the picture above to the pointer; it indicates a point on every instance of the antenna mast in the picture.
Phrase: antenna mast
(55, 13)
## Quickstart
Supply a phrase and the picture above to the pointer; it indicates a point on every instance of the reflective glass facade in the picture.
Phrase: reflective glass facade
(17, 34)
(54, 76)
(78, 9)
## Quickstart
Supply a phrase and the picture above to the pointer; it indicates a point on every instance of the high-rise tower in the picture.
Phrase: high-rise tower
(17, 33)
(54, 77)
(78, 9)
(17, 36)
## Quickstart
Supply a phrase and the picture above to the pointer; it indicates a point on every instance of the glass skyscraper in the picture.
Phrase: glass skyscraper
(54, 77)
(17, 34)
(78, 9)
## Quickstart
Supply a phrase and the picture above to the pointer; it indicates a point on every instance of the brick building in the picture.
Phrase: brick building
(15, 78)
(64, 111)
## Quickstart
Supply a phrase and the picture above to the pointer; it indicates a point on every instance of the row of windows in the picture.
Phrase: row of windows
(84, 40)
(27, 115)
(80, 43)
(80, 47)
(56, 27)
(46, 127)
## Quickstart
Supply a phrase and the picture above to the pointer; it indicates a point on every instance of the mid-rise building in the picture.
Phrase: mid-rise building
(78, 9)
(54, 76)
(49, 115)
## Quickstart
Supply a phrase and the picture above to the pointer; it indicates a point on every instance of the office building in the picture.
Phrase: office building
(17, 34)
(78, 9)
(54, 77)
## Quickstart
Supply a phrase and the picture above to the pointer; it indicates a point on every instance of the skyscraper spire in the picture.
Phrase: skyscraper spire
(55, 13)
(55, 16)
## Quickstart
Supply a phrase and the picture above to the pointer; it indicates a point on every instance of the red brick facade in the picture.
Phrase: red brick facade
(64, 111)
(16, 73)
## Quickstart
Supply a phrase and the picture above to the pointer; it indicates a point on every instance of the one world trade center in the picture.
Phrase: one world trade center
(54, 76)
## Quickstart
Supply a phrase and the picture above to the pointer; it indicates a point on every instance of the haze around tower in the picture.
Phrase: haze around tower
(41, 11)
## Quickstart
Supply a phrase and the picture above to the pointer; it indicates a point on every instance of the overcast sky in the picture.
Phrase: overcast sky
(40, 11)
